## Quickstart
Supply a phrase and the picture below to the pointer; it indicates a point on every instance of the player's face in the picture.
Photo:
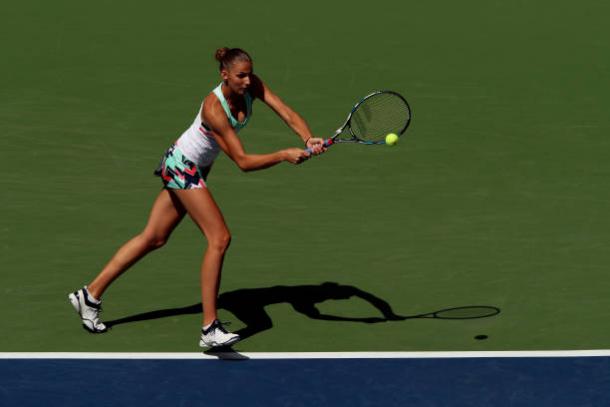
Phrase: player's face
(238, 77)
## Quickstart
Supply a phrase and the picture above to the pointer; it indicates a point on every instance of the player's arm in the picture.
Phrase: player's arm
(215, 118)
(290, 117)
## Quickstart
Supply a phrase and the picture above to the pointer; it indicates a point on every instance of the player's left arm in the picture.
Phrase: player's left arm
(261, 91)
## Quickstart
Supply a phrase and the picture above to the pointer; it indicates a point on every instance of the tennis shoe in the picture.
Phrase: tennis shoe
(216, 335)
(88, 310)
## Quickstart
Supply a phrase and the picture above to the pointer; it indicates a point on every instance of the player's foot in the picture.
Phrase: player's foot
(88, 309)
(216, 335)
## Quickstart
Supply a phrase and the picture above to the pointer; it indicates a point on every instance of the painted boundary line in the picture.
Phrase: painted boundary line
(307, 355)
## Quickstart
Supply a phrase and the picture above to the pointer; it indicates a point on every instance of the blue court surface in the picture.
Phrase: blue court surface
(235, 379)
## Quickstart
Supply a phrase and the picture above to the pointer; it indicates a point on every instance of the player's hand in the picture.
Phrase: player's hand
(295, 155)
(316, 144)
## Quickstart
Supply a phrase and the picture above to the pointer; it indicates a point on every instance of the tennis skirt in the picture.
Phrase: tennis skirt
(178, 172)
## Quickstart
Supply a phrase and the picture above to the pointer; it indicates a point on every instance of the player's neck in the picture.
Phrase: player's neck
(229, 95)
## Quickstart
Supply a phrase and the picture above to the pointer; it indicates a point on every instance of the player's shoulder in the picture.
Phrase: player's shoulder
(212, 110)
(211, 103)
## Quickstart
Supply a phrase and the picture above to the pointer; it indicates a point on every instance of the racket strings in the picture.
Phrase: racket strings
(379, 115)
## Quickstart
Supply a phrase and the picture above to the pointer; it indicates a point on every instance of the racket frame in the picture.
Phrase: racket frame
(354, 139)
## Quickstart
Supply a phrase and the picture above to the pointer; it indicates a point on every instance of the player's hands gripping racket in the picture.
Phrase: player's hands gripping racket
(372, 119)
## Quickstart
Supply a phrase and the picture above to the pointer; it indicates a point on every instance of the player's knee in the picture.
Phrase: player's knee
(220, 242)
(153, 241)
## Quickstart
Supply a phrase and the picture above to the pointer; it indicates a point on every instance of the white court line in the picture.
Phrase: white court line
(307, 355)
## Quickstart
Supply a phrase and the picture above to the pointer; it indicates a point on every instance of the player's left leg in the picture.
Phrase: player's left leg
(165, 215)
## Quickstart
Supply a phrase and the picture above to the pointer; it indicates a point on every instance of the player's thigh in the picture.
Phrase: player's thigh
(165, 215)
(202, 208)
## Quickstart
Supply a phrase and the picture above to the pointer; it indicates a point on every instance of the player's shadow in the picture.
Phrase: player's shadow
(248, 305)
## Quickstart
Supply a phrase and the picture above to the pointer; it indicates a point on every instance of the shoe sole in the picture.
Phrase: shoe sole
(218, 345)
(76, 305)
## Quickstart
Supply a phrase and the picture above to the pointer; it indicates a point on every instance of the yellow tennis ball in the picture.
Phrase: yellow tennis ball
(391, 139)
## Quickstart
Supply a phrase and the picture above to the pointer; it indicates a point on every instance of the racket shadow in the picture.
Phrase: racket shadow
(464, 312)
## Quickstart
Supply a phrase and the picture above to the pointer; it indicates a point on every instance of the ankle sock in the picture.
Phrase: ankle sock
(91, 297)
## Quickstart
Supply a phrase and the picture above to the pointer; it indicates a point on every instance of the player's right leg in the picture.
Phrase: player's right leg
(206, 214)
(166, 213)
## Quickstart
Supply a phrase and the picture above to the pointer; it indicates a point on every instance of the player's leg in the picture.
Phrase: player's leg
(166, 213)
(204, 211)
(206, 214)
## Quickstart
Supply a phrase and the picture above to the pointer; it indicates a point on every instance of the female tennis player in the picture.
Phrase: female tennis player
(184, 169)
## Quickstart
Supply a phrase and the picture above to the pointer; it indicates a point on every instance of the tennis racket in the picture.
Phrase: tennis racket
(372, 118)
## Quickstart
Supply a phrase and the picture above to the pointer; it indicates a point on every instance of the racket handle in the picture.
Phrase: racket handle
(327, 143)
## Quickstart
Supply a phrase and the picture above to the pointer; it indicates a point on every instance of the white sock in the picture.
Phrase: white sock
(91, 297)
(206, 327)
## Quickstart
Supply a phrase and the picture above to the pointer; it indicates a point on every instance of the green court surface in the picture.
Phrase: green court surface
(498, 194)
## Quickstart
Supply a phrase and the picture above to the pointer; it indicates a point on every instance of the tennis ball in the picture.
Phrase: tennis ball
(391, 139)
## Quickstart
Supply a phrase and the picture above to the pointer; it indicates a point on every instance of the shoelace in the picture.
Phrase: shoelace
(219, 325)
(97, 315)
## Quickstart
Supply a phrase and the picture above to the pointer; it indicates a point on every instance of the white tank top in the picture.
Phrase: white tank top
(198, 144)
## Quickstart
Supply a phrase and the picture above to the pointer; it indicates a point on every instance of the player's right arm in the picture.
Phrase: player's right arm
(215, 118)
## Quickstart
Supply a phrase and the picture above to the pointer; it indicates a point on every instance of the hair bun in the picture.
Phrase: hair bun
(228, 56)
(220, 53)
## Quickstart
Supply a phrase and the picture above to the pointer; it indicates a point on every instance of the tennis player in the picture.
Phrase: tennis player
(184, 170)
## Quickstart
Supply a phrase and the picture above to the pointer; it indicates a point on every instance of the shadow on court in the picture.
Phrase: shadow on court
(248, 305)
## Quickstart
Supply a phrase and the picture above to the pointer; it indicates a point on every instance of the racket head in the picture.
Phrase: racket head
(467, 312)
(377, 115)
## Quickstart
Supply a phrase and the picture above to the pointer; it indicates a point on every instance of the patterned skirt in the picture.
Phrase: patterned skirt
(178, 172)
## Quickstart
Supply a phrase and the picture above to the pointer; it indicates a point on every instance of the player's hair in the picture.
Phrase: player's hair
(228, 56)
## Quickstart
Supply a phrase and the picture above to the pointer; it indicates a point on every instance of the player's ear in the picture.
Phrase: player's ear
(224, 74)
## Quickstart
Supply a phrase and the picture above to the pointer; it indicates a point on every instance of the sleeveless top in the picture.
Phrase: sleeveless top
(198, 144)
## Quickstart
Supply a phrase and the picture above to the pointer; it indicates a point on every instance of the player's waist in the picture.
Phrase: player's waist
(199, 147)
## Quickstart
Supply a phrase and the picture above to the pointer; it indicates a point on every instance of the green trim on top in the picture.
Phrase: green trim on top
(236, 124)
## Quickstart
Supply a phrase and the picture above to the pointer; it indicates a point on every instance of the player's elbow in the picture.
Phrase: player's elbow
(243, 163)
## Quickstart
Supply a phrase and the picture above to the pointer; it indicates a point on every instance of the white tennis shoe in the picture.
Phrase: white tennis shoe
(216, 335)
(88, 310)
